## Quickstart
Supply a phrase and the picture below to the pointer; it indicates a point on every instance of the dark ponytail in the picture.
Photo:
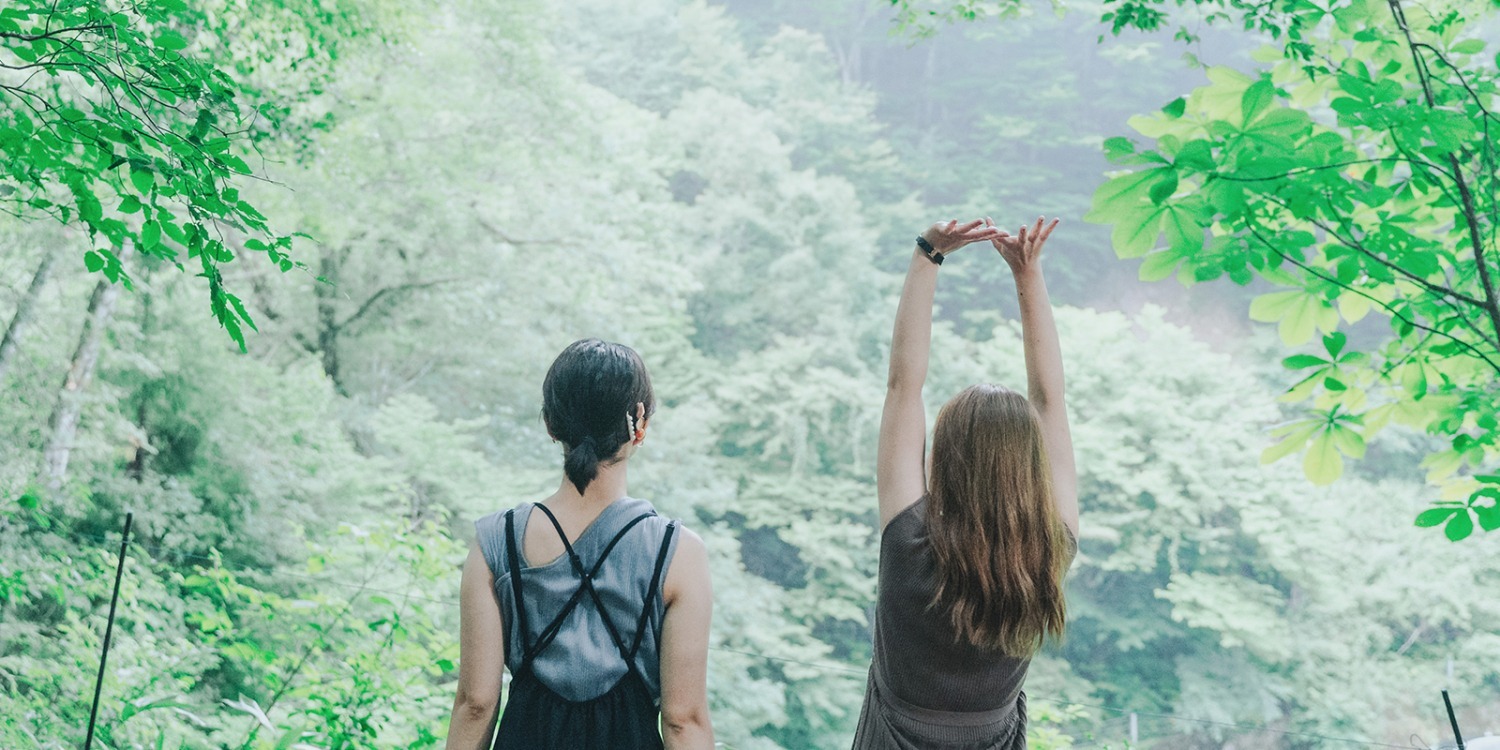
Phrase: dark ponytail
(588, 403)
(581, 463)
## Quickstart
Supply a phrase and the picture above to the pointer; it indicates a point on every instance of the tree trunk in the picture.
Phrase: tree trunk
(63, 426)
(24, 312)
(137, 468)
(328, 321)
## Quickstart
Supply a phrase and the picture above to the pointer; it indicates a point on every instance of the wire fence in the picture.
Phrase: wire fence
(1171, 722)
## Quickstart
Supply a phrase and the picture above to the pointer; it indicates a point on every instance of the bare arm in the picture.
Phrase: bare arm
(481, 658)
(901, 471)
(1044, 367)
(688, 595)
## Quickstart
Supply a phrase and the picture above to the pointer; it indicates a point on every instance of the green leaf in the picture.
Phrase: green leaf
(1303, 361)
(1165, 186)
(1353, 308)
(1117, 147)
(89, 209)
(1184, 229)
(1488, 515)
(1434, 516)
(142, 179)
(1469, 46)
(27, 501)
(1296, 311)
(1334, 343)
(1414, 380)
(239, 307)
(1460, 526)
(1207, 273)
(1220, 99)
(1135, 234)
(1271, 307)
(1347, 106)
(235, 163)
(1349, 442)
(1121, 195)
(150, 236)
(1196, 155)
(93, 261)
(1291, 443)
(1159, 265)
(1280, 126)
(171, 40)
(232, 327)
(1175, 108)
(1256, 99)
(112, 267)
(1323, 463)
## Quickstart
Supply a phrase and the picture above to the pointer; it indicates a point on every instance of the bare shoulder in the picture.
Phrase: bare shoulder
(475, 564)
(691, 551)
(688, 572)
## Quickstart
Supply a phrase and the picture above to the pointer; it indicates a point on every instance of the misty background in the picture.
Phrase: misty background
(732, 189)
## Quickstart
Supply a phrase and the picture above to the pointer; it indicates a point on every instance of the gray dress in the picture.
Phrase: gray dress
(583, 662)
(925, 690)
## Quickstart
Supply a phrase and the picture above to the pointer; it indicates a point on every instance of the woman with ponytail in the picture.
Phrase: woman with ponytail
(975, 538)
(598, 607)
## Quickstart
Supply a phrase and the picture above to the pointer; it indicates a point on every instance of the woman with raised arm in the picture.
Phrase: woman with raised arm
(976, 538)
(597, 606)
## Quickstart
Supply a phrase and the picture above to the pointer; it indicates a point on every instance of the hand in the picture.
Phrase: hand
(945, 237)
(1022, 251)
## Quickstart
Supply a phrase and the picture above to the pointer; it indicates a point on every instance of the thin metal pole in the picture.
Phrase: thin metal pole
(1453, 720)
(109, 629)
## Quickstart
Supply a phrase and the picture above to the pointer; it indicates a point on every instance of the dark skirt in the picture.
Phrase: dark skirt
(537, 718)
(889, 723)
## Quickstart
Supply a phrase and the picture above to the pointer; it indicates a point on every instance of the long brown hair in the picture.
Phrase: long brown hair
(999, 545)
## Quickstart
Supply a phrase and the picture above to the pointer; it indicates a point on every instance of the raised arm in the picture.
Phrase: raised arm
(901, 468)
(481, 658)
(1044, 368)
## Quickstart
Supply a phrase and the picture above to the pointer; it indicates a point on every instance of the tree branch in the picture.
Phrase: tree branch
(1354, 244)
(1383, 305)
(1307, 170)
(1478, 102)
(505, 236)
(1471, 212)
(50, 34)
(375, 298)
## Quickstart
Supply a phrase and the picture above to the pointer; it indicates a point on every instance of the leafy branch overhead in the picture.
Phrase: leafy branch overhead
(1360, 173)
(113, 121)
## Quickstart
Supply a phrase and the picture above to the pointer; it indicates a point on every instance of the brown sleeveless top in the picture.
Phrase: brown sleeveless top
(927, 689)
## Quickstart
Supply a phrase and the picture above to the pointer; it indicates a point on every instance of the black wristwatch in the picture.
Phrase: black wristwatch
(929, 251)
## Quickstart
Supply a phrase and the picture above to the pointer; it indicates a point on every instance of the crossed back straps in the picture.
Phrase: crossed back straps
(530, 651)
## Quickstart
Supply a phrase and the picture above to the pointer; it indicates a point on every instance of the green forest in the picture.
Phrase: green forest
(282, 279)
